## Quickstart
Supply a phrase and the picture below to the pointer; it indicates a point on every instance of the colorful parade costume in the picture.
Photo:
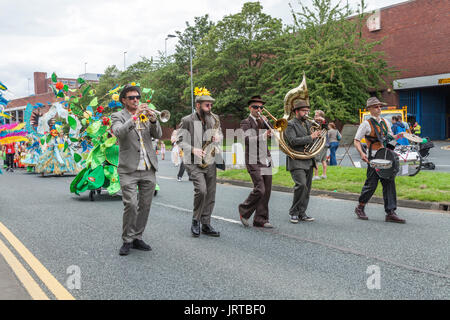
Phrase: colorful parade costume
(57, 159)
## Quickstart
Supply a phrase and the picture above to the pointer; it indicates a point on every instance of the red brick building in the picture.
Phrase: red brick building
(418, 44)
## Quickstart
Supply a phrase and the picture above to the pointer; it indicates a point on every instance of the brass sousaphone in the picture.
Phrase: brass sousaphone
(311, 150)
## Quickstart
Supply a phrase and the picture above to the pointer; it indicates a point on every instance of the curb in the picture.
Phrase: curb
(442, 206)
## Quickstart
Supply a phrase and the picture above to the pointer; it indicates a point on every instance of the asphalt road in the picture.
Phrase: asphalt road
(326, 259)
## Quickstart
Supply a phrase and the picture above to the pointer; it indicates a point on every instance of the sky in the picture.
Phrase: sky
(61, 36)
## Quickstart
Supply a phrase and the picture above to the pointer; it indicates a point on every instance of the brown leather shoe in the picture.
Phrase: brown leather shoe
(392, 217)
(359, 210)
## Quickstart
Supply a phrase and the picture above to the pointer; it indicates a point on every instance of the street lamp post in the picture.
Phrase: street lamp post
(85, 68)
(192, 80)
(165, 50)
(124, 65)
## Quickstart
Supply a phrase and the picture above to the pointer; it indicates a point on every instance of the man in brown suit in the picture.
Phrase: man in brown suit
(258, 163)
(196, 129)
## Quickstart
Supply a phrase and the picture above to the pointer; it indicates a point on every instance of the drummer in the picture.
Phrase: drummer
(375, 129)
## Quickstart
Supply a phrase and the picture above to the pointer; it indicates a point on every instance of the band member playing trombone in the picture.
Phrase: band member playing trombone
(257, 160)
(298, 135)
(197, 134)
(137, 164)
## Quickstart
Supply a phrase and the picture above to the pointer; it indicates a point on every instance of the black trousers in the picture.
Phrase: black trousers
(303, 181)
(10, 160)
(371, 184)
(181, 171)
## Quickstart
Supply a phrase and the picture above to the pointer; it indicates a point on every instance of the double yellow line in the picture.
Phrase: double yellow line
(24, 276)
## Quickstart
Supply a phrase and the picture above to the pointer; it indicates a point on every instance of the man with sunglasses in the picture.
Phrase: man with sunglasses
(259, 164)
(195, 130)
(298, 135)
(377, 133)
(137, 165)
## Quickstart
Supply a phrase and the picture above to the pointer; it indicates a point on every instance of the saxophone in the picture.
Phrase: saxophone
(209, 147)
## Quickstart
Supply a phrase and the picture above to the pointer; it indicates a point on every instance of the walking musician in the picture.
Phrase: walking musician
(258, 161)
(378, 135)
(198, 137)
(299, 136)
(137, 164)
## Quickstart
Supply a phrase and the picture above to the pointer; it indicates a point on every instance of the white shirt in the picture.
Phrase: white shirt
(365, 129)
(144, 160)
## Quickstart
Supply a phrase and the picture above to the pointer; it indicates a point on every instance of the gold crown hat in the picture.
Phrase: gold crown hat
(202, 95)
(296, 98)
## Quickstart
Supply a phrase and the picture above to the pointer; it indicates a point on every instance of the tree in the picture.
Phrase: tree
(233, 57)
(339, 64)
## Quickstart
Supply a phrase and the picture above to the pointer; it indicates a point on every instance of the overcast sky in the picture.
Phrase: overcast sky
(60, 36)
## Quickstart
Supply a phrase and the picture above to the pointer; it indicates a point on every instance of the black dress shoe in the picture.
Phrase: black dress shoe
(125, 250)
(195, 229)
(209, 230)
(141, 245)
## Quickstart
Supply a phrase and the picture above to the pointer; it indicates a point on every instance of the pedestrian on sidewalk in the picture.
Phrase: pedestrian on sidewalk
(138, 164)
(319, 117)
(334, 136)
(163, 150)
(10, 150)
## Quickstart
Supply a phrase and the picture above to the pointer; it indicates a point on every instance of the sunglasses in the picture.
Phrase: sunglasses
(208, 105)
(134, 97)
(258, 107)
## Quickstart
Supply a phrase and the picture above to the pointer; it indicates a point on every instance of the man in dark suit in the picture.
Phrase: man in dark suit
(258, 163)
(297, 135)
(196, 129)
(137, 165)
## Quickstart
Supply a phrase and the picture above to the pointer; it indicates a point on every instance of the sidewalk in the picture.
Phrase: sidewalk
(10, 286)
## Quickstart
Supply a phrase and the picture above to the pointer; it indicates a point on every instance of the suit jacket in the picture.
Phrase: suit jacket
(191, 135)
(124, 128)
(297, 136)
(255, 153)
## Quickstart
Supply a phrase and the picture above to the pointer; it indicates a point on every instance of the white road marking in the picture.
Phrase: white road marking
(190, 211)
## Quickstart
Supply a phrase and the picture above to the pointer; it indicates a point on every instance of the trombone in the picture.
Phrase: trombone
(279, 124)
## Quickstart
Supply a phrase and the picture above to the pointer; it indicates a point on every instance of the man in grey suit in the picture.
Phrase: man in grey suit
(196, 129)
(137, 165)
(297, 135)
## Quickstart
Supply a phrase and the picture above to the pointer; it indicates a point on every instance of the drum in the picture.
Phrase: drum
(385, 163)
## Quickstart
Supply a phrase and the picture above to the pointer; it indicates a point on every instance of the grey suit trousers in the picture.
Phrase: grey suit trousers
(137, 194)
(302, 189)
(204, 191)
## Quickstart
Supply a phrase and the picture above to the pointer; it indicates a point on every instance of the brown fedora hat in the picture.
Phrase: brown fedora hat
(373, 101)
(256, 99)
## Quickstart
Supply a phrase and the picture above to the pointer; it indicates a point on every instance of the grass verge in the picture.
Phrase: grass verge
(425, 186)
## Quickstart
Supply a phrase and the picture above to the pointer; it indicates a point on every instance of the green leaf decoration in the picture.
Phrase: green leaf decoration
(83, 122)
(86, 90)
(49, 137)
(110, 142)
(94, 102)
(43, 140)
(80, 80)
(66, 88)
(72, 122)
(93, 128)
(76, 157)
(60, 94)
(66, 145)
(54, 78)
(73, 139)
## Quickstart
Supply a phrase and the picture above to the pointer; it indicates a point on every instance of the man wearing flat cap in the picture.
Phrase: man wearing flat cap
(377, 133)
(258, 163)
(298, 135)
(137, 165)
(197, 130)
